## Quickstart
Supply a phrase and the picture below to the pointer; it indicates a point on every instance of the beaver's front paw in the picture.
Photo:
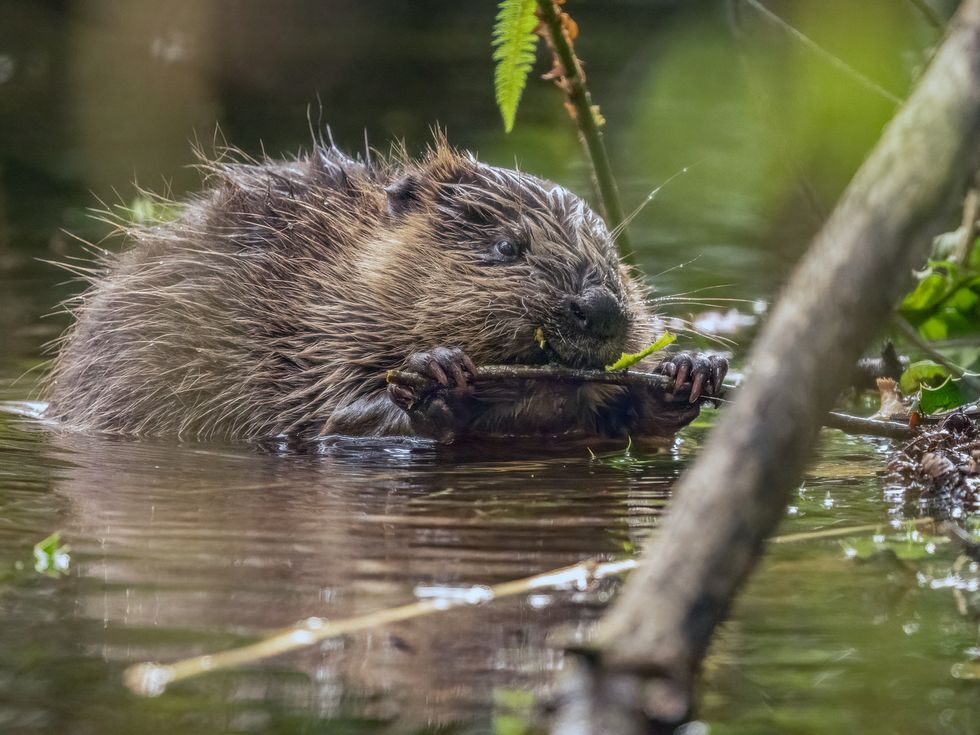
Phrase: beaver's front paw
(695, 375)
(435, 389)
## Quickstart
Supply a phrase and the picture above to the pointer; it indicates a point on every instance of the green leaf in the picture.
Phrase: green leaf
(937, 389)
(964, 300)
(932, 289)
(934, 329)
(627, 360)
(973, 260)
(954, 324)
(922, 373)
(514, 44)
(623, 460)
(942, 398)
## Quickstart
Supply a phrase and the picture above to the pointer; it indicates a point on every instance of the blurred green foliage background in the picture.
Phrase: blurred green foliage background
(98, 94)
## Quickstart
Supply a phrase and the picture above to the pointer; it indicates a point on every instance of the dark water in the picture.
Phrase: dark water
(183, 549)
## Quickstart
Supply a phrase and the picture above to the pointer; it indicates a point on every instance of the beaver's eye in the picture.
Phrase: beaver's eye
(506, 250)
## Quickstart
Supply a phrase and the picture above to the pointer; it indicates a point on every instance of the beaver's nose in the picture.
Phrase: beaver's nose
(597, 313)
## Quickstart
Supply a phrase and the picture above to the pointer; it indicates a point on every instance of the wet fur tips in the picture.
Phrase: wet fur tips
(278, 299)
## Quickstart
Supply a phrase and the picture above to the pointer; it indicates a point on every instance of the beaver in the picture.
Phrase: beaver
(278, 300)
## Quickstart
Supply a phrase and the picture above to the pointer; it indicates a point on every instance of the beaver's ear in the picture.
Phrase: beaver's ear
(404, 195)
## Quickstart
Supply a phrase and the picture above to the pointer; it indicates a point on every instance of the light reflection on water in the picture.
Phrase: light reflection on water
(179, 550)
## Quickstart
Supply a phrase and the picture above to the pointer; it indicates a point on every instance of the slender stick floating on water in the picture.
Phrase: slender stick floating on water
(823, 533)
(151, 679)
(874, 427)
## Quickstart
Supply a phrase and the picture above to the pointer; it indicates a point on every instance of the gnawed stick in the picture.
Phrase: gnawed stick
(487, 374)
(555, 374)
(151, 679)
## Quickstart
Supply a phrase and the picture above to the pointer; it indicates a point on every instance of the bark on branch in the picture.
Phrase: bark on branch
(638, 678)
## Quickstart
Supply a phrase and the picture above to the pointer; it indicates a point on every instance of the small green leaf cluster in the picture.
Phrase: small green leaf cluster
(934, 388)
(946, 301)
(945, 305)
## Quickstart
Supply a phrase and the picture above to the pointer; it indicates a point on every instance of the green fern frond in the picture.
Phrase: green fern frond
(514, 43)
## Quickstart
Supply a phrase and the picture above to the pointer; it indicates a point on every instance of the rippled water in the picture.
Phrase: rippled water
(183, 549)
(179, 550)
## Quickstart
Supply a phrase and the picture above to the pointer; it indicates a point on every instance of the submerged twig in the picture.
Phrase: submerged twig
(151, 679)
(963, 540)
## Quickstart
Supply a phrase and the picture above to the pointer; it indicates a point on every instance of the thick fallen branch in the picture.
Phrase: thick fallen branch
(639, 676)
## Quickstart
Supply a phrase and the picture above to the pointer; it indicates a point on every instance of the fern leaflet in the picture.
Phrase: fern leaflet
(514, 43)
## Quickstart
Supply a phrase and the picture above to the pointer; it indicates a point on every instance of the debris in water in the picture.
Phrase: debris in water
(941, 467)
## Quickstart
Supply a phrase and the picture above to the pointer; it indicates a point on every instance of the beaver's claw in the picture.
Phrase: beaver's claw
(695, 375)
(433, 388)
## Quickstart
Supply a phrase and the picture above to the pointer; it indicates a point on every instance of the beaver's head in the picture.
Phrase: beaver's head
(533, 272)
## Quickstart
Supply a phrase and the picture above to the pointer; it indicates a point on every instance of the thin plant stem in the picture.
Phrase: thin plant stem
(931, 16)
(571, 80)
(834, 61)
(913, 336)
(971, 209)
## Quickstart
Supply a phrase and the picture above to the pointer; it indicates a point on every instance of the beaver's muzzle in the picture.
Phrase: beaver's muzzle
(594, 327)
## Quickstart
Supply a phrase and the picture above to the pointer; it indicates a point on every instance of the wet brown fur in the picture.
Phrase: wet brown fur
(278, 299)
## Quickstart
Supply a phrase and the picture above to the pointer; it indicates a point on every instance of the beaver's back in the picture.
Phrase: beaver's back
(201, 326)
